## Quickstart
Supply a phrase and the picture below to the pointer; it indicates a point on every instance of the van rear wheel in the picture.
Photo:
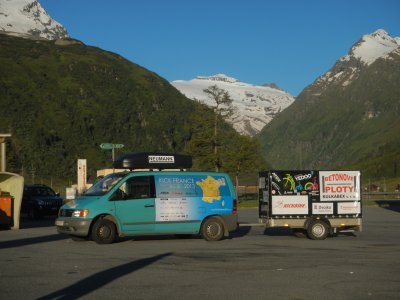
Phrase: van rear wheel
(212, 229)
(103, 231)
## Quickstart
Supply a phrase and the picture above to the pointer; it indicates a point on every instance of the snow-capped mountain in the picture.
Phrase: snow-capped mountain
(254, 106)
(362, 54)
(28, 19)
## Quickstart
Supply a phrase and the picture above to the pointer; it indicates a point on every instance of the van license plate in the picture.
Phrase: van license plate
(59, 223)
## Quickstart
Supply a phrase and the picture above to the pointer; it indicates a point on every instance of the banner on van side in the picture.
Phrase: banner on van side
(173, 209)
(191, 197)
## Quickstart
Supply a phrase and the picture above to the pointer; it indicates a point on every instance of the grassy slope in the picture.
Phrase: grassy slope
(61, 102)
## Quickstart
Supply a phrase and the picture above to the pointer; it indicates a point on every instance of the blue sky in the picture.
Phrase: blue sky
(287, 42)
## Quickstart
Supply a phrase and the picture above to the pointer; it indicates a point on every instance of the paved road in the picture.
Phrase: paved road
(37, 263)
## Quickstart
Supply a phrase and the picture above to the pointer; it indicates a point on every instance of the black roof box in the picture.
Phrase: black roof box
(153, 160)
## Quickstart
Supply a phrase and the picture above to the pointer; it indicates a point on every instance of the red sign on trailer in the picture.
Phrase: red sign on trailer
(340, 185)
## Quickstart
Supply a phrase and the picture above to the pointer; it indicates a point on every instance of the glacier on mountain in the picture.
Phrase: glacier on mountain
(254, 105)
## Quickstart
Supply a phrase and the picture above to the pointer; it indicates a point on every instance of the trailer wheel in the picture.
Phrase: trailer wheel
(317, 230)
(212, 229)
(103, 231)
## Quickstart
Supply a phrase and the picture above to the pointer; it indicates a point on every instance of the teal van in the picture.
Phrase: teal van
(152, 201)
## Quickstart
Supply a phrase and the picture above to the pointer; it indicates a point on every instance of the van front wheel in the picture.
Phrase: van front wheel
(103, 231)
(212, 229)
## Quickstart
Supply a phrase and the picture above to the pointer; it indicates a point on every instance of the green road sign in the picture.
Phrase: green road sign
(111, 146)
(106, 146)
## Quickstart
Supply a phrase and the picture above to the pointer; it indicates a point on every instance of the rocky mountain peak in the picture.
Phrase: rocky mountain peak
(362, 54)
(373, 46)
(28, 19)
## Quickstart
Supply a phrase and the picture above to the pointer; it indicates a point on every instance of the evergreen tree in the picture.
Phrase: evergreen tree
(244, 156)
(200, 143)
(222, 106)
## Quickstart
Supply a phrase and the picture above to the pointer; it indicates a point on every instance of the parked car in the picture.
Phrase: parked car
(40, 200)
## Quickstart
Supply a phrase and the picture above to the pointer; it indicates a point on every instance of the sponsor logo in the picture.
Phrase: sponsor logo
(167, 159)
(339, 189)
(281, 204)
(276, 188)
(347, 207)
(276, 177)
(323, 208)
(302, 177)
(294, 205)
(339, 177)
(221, 181)
(316, 206)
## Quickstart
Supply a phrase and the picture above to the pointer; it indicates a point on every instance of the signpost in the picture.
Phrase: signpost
(111, 146)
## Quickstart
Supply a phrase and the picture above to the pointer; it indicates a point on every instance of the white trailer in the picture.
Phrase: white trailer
(317, 203)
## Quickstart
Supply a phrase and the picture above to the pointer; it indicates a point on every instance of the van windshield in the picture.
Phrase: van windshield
(105, 185)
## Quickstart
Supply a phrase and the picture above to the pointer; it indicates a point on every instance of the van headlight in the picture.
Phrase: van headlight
(80, 213)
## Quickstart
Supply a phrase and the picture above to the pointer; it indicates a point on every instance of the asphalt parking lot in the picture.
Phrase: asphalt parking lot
(38, 263)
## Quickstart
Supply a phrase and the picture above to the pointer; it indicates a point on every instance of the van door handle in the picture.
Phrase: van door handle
(149, 205)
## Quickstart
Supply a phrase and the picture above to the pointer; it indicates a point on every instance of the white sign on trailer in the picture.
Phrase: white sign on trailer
(290, 205)
(349, 208)
(322, 208)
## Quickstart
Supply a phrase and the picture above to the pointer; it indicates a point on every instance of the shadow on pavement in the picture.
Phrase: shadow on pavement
(98, 280)
(33, 240)
(26, 222)
(156, 238)
(278, 231)
(243, 230)
(393, 205)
